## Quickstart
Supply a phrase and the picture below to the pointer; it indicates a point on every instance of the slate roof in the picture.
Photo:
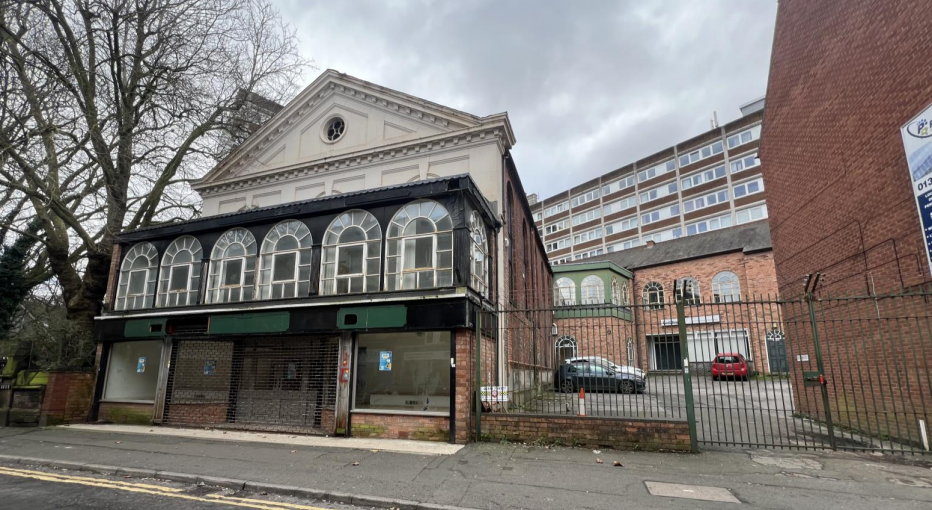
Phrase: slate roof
(750, 238)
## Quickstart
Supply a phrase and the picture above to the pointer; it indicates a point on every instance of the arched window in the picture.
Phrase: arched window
(420, 247)
(653, 295)
(566, 349)
(285, 261)
(625, 294)
(232, 274)
(564, 292)
(593, 290)
(479, 255)
(180, 277)
(137, 278)
(687, 290)
(725, 287)
(352, 254)
(616, 292)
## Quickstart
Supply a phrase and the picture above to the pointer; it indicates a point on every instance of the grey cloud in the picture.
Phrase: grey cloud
(589, 85)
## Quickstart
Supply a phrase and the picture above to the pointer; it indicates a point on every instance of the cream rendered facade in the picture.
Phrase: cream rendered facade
(389, 138)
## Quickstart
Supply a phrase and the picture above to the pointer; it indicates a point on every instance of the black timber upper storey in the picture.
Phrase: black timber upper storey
(399, 193)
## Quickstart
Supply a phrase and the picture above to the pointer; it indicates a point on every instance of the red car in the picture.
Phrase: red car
(730, 364)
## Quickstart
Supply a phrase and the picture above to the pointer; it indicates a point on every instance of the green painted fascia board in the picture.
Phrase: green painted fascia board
(142, 328)
(394, 316)
(592, 266)
(268, 322)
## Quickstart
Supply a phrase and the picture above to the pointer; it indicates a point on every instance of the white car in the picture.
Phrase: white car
(624, 369)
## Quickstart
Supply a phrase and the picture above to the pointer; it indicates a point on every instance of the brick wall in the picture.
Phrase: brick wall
(757, 280)
(397, 426)
(844, 77)
(629, 434)
(68, 398)
(125, 413)
(524, 254)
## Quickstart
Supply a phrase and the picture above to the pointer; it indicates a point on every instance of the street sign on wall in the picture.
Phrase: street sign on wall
(917, 141)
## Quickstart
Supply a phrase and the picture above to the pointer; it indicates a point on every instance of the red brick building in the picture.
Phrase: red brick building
(844, 77)
(717, 274)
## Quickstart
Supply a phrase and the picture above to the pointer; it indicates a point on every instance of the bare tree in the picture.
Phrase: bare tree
(111, 109)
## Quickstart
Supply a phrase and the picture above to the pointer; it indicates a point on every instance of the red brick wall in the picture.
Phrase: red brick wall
(844, 77)
(398, 426)
(197, 414)
(757, 280)
(68, 398)
(629, 434)
(524, 254)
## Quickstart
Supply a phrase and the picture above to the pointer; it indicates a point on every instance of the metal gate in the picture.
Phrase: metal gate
(829, 372)
(281, 383)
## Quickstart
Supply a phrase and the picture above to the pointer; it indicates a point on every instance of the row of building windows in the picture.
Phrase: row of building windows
(419, 254)
(726, 288)
(592, 292)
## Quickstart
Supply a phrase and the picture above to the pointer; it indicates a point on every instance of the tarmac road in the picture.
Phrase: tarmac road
(47, 489)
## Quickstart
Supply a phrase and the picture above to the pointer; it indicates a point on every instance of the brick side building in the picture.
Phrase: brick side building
(725, 270)
(844, 77)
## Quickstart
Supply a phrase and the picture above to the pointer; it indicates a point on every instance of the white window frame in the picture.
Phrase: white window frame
(145, 282)
(623, 183)
(704, 176)
(585, 198)
(692, 204)
(744, 185)
(753, 133)
(556, 209)
(223, 272)
(708, 222)
(275, 256)
(749, 210)
(585, 217)
(699, 154)
(171, 274)
(417, 270)
(590, 235)
(740, 164)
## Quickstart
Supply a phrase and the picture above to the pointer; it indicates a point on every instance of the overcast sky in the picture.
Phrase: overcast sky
(589, 86)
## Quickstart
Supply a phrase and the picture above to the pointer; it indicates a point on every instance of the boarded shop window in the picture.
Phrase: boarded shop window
(403, 372)
(133, 371)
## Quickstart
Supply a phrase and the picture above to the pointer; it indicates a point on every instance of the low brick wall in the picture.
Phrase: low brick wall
(196, 414)
(399, 426)
(125, 413)
(623, 434)
(68, 398)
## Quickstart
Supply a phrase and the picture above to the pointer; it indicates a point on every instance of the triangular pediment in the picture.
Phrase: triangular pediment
(371, 115)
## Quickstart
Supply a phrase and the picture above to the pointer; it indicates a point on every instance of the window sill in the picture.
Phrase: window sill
(399, 412)
(125, 401)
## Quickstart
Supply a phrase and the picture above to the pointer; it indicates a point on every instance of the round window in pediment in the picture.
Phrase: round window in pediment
(334, 129)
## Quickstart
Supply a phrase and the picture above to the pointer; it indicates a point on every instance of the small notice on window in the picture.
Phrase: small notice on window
(494, 393)
(141, 365)
(802, 357)
(210, 366)
(385, 361)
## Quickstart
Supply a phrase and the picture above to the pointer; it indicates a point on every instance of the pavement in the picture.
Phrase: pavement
(489, 475)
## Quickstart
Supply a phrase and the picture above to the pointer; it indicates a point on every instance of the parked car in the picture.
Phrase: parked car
(608, 364)
(730, 364)
(570, 377)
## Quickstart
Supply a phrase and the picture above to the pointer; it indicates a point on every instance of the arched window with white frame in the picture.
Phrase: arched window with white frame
(420, 247)
(180, 276)
(564, 292)
(479, 254)
(231, 277)
(625, 294)
(352, 254)
(725, 287)
(653, 295)
(593, 290)
(687, 290)
(616, 292)
(285, 261)
(566, 349)
(136, 288)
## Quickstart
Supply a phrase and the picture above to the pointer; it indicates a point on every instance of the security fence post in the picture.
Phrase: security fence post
(811, 285)
(687, 378)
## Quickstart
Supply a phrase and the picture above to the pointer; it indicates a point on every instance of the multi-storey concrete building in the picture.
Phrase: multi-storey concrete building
(706, 183)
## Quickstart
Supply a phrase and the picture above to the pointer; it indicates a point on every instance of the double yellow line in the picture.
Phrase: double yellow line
(154, 490)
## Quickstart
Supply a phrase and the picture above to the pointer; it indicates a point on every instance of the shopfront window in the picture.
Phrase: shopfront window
(133, 371)
(407, 372)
